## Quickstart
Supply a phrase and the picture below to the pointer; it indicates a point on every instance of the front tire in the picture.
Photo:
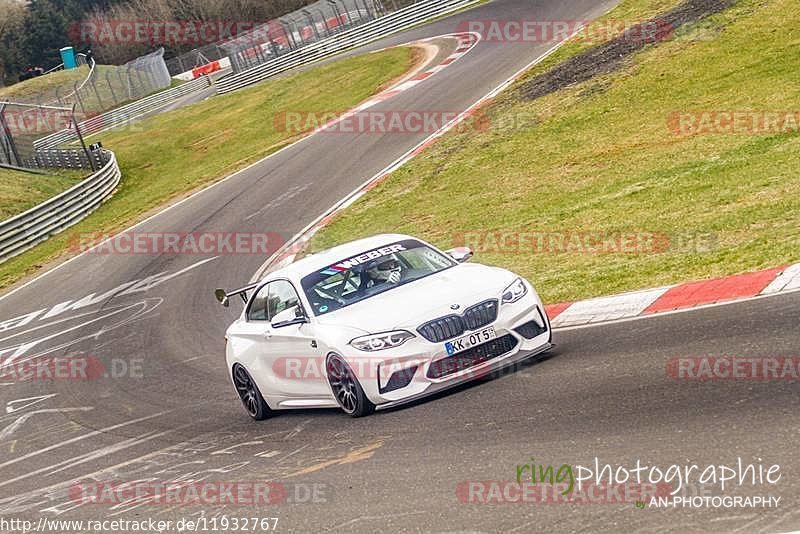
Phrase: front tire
(254, 404)
(346, 389)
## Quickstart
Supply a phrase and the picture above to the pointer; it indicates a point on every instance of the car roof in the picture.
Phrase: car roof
(320, 260)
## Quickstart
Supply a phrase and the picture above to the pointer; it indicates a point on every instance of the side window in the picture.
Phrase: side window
(258, 306)
(282, 296)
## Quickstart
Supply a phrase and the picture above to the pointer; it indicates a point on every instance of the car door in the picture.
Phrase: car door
(297, 364)
(249, 336)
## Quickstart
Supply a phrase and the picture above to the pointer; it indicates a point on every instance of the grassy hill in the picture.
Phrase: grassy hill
(628, 168)
(43, 85)
(21, 190)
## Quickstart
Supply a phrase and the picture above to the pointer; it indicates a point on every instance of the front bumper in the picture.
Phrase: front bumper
(419, 368)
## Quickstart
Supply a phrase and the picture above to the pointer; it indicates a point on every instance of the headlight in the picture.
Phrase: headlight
(515, 291)
(385, 340)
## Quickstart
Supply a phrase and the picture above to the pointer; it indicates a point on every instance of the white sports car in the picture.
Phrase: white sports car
(375, 323)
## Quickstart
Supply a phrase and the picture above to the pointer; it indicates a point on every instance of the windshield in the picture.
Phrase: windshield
(371, 273)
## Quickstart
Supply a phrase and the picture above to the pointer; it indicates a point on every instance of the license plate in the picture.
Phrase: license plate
(470, 340)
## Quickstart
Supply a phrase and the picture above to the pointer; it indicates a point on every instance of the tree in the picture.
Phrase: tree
(12, 16)
(46, 31)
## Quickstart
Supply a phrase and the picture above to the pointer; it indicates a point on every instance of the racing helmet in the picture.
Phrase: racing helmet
(386, 268)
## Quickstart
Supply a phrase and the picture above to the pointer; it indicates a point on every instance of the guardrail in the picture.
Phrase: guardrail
(65, 158)
(77, 88)
(27, 229)
(399, 20)
(123, 114)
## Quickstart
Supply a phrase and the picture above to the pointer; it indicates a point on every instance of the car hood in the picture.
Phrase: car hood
(408, 306)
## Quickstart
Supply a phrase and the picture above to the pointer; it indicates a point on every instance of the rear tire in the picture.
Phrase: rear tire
(254, 404)
(345, 387)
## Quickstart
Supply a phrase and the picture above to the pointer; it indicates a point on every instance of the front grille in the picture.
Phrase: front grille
(472, 356)
(451, 326)
(442, 328)
(480, 315)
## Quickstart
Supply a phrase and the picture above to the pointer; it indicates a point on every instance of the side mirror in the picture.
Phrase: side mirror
(289, 316)
(460, 254)
(222, 297)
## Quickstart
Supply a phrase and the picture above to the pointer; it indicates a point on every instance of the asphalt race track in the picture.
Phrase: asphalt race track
(167, 411)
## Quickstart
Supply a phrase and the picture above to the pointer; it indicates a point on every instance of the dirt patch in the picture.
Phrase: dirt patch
(608, 57)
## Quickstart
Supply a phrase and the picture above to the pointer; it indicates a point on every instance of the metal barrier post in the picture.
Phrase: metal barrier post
(131, 87)
(141, 83)
(79, 99)
(370, 15)
(289, 33)
(340, 23)
(324, 21)
(348, 20)
(9, 148)
(313, 24)
(80, 138)
(111, 88)
(96, 93)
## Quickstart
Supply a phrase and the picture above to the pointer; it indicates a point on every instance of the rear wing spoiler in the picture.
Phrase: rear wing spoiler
(224, 296)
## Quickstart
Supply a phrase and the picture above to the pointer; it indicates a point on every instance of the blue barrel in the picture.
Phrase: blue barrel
(68, 57)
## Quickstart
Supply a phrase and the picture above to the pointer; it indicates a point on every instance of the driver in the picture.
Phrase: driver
(385, 270)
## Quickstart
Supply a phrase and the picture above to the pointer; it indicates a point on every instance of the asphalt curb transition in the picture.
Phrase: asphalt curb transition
(675, 297)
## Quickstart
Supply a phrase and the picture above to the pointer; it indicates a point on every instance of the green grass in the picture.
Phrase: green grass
(20, 190)
(600, 157)
(44, 85)
(171, 154)
(43, 89)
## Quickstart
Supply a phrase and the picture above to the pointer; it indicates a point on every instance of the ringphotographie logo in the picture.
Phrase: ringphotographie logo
(640, 484)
